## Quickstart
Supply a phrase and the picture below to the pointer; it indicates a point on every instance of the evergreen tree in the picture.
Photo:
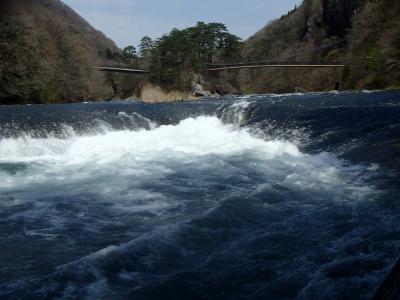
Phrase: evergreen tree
(173, 57)
(129, 54)
(146, 46)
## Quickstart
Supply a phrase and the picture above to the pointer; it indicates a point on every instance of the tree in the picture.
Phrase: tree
(230, 48)
(173, 57)
(146, 46)
(129, 54)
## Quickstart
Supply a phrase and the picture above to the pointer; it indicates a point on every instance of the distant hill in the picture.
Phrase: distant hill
(364, 34)
(48, 54)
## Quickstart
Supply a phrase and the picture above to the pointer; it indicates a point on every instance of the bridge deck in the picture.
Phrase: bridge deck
(212, 68)
(121, 70)
(272, 65)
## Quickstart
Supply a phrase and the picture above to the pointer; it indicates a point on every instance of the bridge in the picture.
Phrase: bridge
(258, 65)
(214, 67)
(121, 70)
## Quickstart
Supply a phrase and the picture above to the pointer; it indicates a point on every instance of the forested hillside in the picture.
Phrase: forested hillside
(48, 54)
(364, 34)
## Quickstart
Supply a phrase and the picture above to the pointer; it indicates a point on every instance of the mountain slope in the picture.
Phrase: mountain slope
(48, 54)
(361, 33)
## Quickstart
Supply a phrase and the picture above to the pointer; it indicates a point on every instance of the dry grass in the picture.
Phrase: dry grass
(151, 93)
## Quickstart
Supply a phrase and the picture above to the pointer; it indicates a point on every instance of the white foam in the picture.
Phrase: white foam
(116, 164)
(195, 137)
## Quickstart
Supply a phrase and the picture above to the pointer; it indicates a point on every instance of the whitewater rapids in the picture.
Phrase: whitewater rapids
(201, 208)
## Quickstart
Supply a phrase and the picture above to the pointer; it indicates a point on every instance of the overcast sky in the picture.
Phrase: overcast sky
(127, 21)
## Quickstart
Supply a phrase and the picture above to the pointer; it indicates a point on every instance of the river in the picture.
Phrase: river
(252, 197)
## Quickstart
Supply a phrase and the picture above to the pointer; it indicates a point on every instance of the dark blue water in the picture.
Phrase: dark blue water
(256, 197)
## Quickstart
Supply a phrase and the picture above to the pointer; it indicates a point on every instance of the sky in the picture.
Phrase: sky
(127, 21)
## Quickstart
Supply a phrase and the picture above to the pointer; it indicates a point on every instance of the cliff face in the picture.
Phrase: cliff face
(48, 54)
(362, 33)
